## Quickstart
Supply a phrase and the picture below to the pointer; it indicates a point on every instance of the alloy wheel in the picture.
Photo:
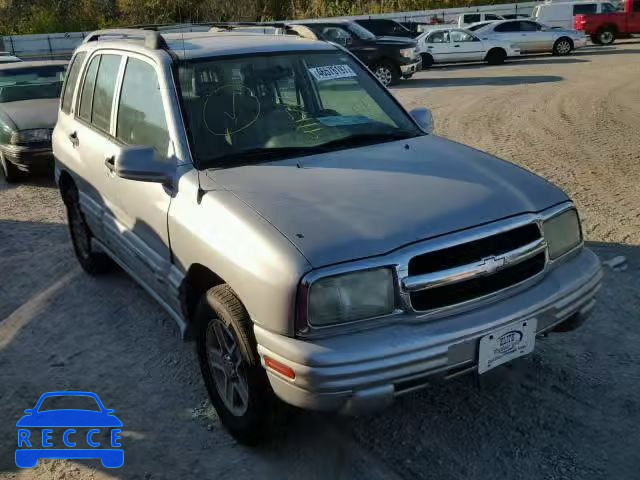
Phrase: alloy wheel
(606, 37)
(564, 47)
(384, 75)
(227, 367)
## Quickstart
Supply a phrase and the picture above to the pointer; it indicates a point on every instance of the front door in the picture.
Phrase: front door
(137, 222)
(438, 45)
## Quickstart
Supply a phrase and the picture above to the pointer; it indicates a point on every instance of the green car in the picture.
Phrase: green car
(29, 93)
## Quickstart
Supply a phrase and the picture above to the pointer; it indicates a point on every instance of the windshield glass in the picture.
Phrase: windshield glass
(264, 107)
(31, 82)
(69, 402)
(361, 32)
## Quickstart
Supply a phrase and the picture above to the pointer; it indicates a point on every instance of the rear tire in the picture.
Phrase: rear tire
(236, 382)
(9, 171)
(606, 36)
(595, 40)
(563, 46)
(496, 56)
(427, 60)
(94, 263)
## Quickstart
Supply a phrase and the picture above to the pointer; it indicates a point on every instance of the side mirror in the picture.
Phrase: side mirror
(423, 118)
(139, 163)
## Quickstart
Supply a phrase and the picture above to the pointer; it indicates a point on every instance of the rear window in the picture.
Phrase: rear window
(31, 82)
(508, 27)
(584, 8)
(72, 79)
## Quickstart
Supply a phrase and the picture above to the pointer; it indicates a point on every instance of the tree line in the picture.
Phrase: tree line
(49, 16)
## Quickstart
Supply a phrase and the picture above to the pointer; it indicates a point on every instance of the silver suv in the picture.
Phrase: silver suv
(312, 237)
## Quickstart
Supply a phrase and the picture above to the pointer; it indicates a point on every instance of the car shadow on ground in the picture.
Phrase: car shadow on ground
(477, 81)
(42, 180)
(605, 51)
(511, 62)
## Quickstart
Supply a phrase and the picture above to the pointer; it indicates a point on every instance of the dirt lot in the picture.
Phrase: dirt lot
(568, 411)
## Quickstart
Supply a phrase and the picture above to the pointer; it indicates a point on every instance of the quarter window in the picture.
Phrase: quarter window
(141, 115)
(72, 79)
(584, 8)
(86, 97)
(104, 89)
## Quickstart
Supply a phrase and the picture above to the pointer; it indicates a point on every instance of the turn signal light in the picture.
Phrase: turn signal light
(279, 367)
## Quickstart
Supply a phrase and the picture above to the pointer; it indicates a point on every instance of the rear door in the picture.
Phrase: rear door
(536, 39)
(509, 32)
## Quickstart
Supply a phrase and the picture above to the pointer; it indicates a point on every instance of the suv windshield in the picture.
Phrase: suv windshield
(31, 82)
(254, 108)
(361, 32)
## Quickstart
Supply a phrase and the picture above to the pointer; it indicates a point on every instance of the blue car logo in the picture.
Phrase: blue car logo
(73, 426)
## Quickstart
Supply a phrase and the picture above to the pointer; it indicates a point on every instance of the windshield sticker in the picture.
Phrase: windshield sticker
(342, 120)
(332, 72)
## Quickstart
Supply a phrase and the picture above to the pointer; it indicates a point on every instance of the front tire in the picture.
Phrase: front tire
(496, 56)
(94, 263)
(9, 171)
(427, 60)
(386, 73)
(563, 46)
(236, 382)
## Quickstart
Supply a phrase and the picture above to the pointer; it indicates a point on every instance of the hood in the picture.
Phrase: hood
(358, 203)
(36, 113)
(400, 42)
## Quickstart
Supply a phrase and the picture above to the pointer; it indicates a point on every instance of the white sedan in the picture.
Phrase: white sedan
(446, 44)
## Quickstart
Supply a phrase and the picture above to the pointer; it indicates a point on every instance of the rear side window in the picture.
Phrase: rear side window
(86, 98)
(584, 8)
(472, 18)
(104, 89)
(608, 8)
(72, 79)
(141, 115)
(508, 27)
(529, 27)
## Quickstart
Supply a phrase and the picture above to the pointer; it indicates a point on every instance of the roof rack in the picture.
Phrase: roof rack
(152, 39)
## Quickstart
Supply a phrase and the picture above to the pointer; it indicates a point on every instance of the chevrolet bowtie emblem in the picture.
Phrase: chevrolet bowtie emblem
(490, 265)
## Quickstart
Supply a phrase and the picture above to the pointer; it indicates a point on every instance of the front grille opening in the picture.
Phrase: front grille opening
(477, 287)
(474, 251)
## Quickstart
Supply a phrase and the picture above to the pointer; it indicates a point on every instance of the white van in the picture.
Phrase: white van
(469, 18)
(560, 14)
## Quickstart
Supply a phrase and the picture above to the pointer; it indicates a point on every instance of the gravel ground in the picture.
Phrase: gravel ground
(568, 411)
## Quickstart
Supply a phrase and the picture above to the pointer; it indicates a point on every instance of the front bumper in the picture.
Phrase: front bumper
(28, 159)
(364, 371)
(411, 68)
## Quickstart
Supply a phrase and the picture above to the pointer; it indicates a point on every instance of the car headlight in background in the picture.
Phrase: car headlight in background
(34, 135)
(351, 296)
(408, 52)
(562, 233)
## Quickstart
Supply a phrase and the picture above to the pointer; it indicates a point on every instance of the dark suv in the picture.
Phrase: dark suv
(385, 27)
(389, 58)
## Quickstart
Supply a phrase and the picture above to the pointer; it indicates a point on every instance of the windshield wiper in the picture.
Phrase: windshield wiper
(262, 154)
(367, 139)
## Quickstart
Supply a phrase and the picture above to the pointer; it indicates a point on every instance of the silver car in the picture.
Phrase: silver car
(531, 36)
(317, 242)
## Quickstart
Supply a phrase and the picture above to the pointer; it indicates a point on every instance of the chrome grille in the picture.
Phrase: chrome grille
(475, 269)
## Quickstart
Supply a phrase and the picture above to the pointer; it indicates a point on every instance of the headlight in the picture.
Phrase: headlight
(408, 52)
(562, 233)
(31, 136)
(351, 296)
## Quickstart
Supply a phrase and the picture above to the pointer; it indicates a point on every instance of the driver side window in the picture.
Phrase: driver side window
(438, 37)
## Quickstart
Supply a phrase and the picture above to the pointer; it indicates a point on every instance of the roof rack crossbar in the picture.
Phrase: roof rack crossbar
(152, 39)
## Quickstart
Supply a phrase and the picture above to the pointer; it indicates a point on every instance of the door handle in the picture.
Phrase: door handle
(73, 137)
(110, 163)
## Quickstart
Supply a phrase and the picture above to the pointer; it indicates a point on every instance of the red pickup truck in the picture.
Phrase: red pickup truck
(604, 28)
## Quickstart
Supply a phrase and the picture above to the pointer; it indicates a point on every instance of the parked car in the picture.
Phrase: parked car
(6, 57)
(389, 58)
(314, 238)
(515, 16)
(533, 37)
(561, 14)
(604, 28)
(29, 93)
(444, 45)
(385, 27)
(465, 19)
